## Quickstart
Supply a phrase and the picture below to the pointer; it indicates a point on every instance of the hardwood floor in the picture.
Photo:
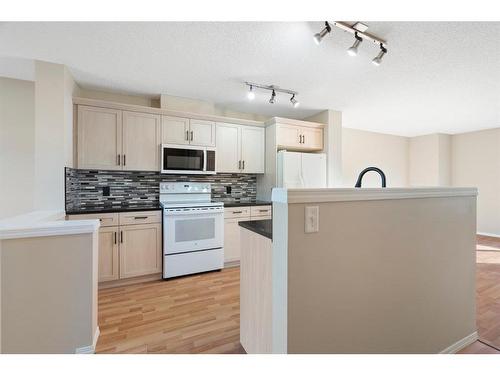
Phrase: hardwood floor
(200, 314)
(488, 296)
(194, 314)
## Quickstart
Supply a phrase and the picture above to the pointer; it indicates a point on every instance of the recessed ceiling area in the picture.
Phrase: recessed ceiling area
(436, 77)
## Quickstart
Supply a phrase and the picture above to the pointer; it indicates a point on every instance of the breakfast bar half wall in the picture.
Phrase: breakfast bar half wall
(365, 271)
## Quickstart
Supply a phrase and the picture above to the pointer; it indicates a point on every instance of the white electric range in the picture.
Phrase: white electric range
(193, 229)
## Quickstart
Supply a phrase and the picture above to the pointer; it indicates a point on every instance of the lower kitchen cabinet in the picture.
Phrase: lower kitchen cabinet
(232, 216)
(108, 254)
(130, 244)
(139, 250)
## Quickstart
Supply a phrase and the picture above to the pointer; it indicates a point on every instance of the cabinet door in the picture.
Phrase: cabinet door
(287, 136)
(141, 141)
(99, 144)
(140, 250)
(252, 149)
(175, 130)
(202, 133)
(232, 244)
(228, 148)
(108, 254)
(312, 138)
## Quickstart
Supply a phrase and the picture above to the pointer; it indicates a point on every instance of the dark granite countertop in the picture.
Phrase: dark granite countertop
(262, 227)
(115, 208)
(245, 203)
(151, 207)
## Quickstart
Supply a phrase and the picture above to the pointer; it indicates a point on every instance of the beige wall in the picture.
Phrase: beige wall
(361, 149)
(430, 160)
(17, 132)
(116, 97)
(380, 276)
(54, 88)
(51, 306)
(476, 162)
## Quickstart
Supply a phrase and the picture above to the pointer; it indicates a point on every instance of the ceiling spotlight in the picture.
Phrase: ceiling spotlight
(295, 102)
(251, 93)
(353, 51)
(319, 36)
(377, 60)
(273, 96)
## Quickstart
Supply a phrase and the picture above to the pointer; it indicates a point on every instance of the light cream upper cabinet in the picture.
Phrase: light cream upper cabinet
(252, 149)
(108, 254)
(240, 149)
(312, 138)
(299, 138)
(202, 133)
(141, 141)
(287, 136)
(99, 138)
(140, 250)
(175, 130)
(228, 148)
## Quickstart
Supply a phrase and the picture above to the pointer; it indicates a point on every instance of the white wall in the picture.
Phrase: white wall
(17, 131)
(361, 149)
(475, 159)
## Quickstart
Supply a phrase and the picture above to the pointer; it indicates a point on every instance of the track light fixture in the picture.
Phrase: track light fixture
(251, 93)
(359, 31)
(319, 36)
(353, 50)
(273, 96)
(377, 60)
(274, 89)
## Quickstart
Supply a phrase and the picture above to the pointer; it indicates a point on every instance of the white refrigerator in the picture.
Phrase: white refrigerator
(301, 170)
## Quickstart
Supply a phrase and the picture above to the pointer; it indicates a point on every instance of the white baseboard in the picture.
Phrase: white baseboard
(460, 344)
(489, 234)
(89, 349)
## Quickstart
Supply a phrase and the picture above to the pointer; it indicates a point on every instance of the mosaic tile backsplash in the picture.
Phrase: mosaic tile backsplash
(85, 188)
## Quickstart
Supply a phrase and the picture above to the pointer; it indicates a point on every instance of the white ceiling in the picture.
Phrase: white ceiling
(437, 77)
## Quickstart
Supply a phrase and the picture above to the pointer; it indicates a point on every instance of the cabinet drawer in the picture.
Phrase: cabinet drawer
(107, 220)
(140, 217)
(260, 211)
(235, 212)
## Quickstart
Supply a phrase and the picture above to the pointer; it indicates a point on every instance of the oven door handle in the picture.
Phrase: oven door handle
(200, 214)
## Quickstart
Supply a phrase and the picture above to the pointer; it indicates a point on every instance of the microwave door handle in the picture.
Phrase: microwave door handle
(204, 160)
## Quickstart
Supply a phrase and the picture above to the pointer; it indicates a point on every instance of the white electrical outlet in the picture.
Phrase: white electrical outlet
(311, 219)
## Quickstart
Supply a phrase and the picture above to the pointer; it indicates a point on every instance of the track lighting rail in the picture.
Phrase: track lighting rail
(357, 28)
(271, 88)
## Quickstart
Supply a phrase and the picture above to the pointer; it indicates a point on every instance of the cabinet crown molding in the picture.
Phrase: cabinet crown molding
(289, 121)
(161, 111)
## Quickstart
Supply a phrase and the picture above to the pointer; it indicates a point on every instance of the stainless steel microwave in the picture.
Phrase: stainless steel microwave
(180, 159)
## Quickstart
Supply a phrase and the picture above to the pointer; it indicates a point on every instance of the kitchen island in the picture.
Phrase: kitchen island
(361, 271)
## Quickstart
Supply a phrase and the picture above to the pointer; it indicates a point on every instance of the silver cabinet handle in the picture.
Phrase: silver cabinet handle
(243, 164)
(124, 160)
(237, 212)
(187, 135)
(239, 164)
(140, 217)
(300, 138)
(118, 159)
(192, 135)
(121, 236)
(115, 238)
(303, 139)
(263, 210)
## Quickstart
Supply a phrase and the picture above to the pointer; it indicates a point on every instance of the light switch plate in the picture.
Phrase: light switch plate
(311, 219)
